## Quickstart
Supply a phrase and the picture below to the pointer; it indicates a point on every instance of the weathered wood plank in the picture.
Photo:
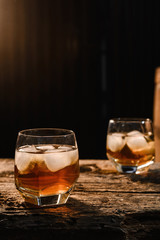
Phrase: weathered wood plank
(104, 203)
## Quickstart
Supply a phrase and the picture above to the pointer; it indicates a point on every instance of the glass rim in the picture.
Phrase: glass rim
(26, 133)
(130, 120)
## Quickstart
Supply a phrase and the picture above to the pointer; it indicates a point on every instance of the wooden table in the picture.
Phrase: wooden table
(103, 204)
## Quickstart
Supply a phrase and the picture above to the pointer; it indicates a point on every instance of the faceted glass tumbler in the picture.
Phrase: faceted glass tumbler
(46, 165)
(130, 144)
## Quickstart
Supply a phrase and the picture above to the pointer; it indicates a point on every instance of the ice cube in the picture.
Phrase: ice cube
(115, 141)
(58, 160)
(74, 156)
(45, 147)
(134, 132)
(136, 142)
(22, 160)
(27, 148)
(24, 156)
(63, 148)
(147, 150)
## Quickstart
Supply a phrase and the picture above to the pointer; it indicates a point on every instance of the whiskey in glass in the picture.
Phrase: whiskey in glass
(46, 165)
(130, 144)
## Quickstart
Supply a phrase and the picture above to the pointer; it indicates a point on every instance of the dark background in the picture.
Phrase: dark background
(75, 64)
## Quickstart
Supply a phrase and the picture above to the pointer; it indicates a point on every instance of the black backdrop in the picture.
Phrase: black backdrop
(75, 64)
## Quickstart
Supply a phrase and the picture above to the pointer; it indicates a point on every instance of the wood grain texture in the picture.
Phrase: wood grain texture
(104, 203)
(156, 113)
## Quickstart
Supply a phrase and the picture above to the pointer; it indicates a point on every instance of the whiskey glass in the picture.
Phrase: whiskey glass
(130, 144)
(46, 165)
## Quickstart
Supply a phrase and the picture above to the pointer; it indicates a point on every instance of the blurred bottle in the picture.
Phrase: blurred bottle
(156, 114)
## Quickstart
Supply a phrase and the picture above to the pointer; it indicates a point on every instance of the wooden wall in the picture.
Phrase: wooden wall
(74, 64)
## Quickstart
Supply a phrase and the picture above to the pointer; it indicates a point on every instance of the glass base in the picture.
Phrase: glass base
(133, 169)
(51, 200)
